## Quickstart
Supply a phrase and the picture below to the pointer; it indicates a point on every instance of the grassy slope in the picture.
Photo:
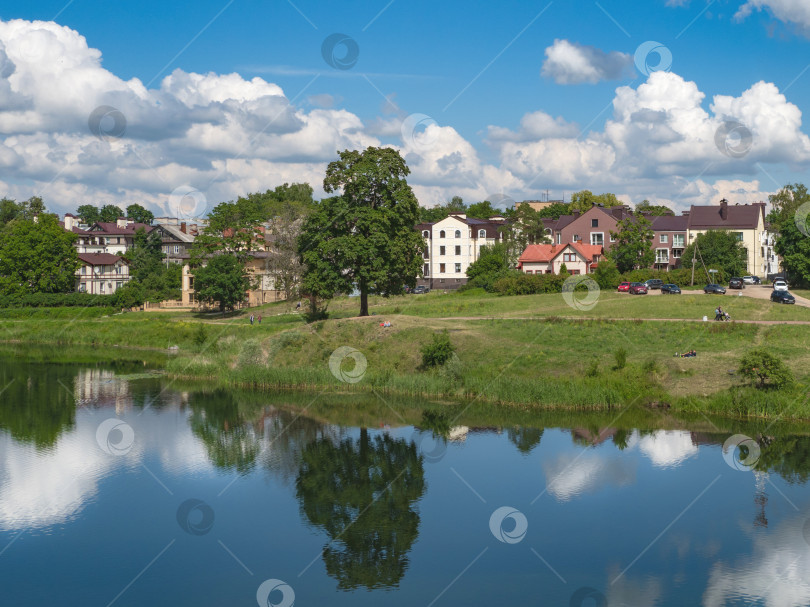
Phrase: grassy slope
(526, 357)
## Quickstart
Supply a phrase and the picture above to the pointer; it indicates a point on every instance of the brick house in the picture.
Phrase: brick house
(669, 240)
(101, 273)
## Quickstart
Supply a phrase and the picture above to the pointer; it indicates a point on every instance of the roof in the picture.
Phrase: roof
(176, 232)
(744, 216)
(107, 227)
(545, 253)
(100, 259)
(669, 223)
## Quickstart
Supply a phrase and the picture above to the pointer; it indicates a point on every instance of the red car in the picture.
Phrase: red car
(637, 288)
(625, 286)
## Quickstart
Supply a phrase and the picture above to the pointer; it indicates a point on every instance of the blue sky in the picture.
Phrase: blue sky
(466, 67)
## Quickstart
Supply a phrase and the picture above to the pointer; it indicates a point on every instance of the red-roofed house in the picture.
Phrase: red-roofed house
(101, 273)
(548, 258)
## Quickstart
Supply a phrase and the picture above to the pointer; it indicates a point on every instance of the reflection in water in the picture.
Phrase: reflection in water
(570, 475)
(775, 574)
(362, 493)
(667, 448)
(525, 439)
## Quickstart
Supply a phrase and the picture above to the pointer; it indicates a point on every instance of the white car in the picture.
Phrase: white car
(749, 280)
(780, 285)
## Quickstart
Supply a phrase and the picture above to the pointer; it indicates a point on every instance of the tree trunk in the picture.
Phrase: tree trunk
(363, 299)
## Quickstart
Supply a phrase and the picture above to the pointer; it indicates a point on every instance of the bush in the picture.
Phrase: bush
(56, 300)
(251, 354)
(200, 335)
(621, 358)
(518, 283)
(606, 275)
(438, 352)
(130, 295)
(765, 369)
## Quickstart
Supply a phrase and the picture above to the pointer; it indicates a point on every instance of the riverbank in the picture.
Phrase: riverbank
(534, 362)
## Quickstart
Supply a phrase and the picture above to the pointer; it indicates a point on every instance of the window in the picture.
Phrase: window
(740, 236)
(84, 270)
(426, 269)
(662, 256)
(425, 234)
(598, 238)
(676, 253)
(572, 272)
(677, 240)
(426, 253)
(458, 250)
(458, 268)
(441, 250)
(177, 248)
(569, 257)
(441, 268)
(594, 223)
(559, 238)
(441, 234)
(482, 233)
(118, 284)
(612, 238)
(576, 237)
(664, 239)
(458, 233)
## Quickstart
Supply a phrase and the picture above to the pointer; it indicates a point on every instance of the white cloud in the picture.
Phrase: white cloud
(571, 63)
(569, 476)
(796, 12)
(667, 448)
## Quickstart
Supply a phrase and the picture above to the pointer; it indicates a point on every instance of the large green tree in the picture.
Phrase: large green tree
(790, 219)
(110, 213)
(140, 214)
(27, 209)
(493, 263)
(633, 247)
(585, 199)
(147, 266)
(363, 239)
(223, 280)
(37, 257)
(645, 206)
(362, 493)
(717, 250)
(89, 214)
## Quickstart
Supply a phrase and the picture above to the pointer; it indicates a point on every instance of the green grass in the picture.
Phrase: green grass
(527, 357)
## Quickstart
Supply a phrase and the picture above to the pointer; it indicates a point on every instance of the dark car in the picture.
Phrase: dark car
(714, 289)
(654, 283)
(671, 289)
(782, 297)
(736, 283)
(638, 288)
(420, 289)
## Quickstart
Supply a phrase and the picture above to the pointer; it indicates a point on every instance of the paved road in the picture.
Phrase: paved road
(753, 291)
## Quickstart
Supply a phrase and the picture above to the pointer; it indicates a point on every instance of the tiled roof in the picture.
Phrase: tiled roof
(545, 253)
(744, 216)
(100, 259)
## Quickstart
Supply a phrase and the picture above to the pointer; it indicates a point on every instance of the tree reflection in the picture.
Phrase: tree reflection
(525, 439)
(361, 492)
(37, 403)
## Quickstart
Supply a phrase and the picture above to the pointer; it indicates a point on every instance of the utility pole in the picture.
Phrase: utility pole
(694, 254)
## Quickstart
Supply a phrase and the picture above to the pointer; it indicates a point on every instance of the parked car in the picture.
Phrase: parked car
(654, 283)
(780, 284)
(752, 280)
(637, 288)
(624, 286)
(714, 289)
(671, 289)
(782, 297)
(420, 289)
(736, 283)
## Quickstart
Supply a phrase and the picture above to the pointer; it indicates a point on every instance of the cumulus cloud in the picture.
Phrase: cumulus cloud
(571, 63)
(667, 448)
(796, 12)
(569, 476)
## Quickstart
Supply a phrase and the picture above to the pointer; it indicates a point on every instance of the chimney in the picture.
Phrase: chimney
(724, 209)
(183, 227)
(121, 222)
(69, 222)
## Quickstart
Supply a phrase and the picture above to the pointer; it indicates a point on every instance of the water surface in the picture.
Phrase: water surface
(117, 488)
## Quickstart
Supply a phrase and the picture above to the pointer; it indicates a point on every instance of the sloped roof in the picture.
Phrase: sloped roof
(176, 232)
(670, 223)
(111, 228)
(546, 253)
(745, 216)
(100, 259)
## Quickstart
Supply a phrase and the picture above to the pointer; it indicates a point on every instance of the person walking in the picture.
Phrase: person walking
(260, 319)
(251, 319)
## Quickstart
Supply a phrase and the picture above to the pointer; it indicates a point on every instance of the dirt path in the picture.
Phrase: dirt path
(747, 322)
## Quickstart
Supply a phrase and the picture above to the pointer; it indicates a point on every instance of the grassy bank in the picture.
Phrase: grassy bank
(529, 358)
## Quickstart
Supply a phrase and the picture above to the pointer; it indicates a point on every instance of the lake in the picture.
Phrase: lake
(119, 487)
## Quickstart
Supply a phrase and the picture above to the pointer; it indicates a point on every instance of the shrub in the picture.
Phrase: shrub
(606, 275)
(592, 370)
(200, 335)
(438, 352)
(765, 369)
(621, 358)
(251, 354)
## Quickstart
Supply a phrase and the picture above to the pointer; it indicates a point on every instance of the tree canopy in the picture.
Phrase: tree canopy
(790, 219)
(223, 280)
(645, 206)
(110, 213)
(633, 247)
(585, 199)
(140, 214)
(718, 250)
(364, 238)
(37, 257)
(27, 209)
